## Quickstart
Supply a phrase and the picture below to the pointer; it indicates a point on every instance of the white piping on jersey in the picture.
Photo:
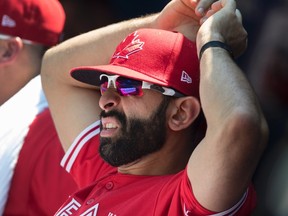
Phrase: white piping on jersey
(72, 153)
(232, 211)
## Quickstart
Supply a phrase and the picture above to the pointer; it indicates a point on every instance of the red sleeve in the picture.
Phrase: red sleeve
(244, 207)
(39, 185)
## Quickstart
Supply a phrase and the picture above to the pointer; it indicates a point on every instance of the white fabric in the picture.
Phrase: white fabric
(15, 117)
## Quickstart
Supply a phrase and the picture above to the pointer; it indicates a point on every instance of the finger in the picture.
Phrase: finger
(239, 15)
(203, 19)
(216, 6)
(203, 6)
(210, 13)
(229, 4)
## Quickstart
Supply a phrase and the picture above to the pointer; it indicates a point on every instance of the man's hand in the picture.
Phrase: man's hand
(183, 16)
(223, 22)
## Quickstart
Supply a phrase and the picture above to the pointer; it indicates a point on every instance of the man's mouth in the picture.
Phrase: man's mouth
(110, 127)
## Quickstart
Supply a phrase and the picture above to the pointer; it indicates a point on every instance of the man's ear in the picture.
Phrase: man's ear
(11, 48)
(184, 111)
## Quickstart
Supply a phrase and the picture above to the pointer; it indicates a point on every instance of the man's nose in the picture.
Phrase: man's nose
(109, 99)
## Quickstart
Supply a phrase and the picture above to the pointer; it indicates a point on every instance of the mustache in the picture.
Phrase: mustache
(112, 113)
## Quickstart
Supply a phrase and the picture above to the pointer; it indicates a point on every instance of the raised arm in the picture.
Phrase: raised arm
(221, 167)
(73, 105)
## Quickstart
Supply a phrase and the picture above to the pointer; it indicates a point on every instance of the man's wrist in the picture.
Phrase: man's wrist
(212, 44)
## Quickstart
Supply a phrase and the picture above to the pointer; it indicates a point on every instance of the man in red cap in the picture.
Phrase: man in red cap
(30, 153)
(31, 180)
(132, 124)
(29, 147)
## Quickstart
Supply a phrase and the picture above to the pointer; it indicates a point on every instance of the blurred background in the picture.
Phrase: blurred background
(265, 63)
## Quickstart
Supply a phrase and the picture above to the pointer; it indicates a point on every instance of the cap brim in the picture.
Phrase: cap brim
(91, 74)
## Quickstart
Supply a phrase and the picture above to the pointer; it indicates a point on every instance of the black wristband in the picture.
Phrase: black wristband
(215, 44)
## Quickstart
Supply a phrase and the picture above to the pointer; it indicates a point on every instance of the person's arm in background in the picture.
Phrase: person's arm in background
(221, 167)
(74, 108)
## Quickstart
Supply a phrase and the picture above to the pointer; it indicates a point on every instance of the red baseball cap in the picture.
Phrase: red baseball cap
(157, 56)
(40, 21)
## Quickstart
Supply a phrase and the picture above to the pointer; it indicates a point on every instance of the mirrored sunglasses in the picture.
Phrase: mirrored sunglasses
(126, 86)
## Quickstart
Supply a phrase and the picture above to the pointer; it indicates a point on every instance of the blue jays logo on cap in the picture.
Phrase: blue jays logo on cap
(132, 44)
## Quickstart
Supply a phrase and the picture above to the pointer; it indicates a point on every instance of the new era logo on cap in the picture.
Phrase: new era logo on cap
(8, 21)
(185, 77)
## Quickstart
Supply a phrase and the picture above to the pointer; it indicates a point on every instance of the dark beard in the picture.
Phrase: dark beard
(137, 138)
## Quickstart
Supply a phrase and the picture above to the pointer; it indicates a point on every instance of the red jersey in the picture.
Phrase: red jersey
(115, 194)
(39, 185)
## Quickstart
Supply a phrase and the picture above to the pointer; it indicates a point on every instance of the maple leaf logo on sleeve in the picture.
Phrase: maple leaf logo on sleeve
(130, 45)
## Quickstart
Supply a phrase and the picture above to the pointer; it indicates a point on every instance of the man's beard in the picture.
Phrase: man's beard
(137, 138)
